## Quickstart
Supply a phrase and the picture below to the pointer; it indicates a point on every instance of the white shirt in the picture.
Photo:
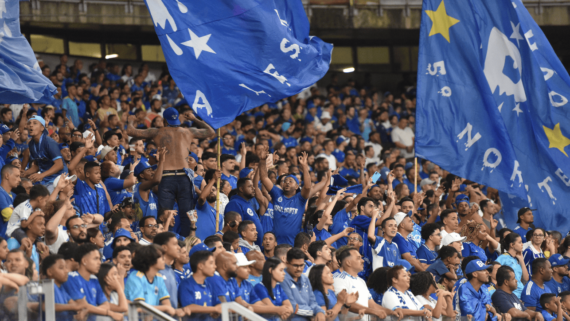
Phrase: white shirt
(406, 137)
(351, 284)
(330, 158)
(324, 128)
(377, 148)
(21, 212)
(394, 299)
(143, 241)
(431, 302)
(62, 237)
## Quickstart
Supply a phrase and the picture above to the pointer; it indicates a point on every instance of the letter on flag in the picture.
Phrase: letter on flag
(493, 105)
(228, 56)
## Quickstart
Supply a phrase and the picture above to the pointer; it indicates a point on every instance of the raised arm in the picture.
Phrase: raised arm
(208, 189)
(306, 191)
(243, 152)
(140, 133)
(80, 154)
(161, 155)
(263, 169)
(131, 180)
(203, 131)
(263, 202)
(53, 223)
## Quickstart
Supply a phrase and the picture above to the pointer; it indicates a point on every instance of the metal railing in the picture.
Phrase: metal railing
(232, 311)
(139, 310)
(32, 296)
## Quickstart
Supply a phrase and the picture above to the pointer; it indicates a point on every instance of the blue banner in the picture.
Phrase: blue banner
(228, 56)
(21, 79)
(493, 104)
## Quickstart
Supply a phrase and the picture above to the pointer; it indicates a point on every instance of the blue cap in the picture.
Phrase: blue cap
(475, 265)
(310, 105)
(244, 172)
(285, 126)
(341, 140)
(201, 247)
(90, 158)
(354, 189)
(4, 129)
(461, 198)
(63, 146)
(142, 166)
(38, 118)
(10, 159)
(121, 232)
(171, 116)
(409, 165)
(193, 155)
(558, 260)
(306, 139)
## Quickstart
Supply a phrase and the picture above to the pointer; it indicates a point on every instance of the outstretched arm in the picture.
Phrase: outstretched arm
(140, 133)
(203, 131)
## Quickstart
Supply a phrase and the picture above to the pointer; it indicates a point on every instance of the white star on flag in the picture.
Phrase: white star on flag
(198, 43)
(516, 33)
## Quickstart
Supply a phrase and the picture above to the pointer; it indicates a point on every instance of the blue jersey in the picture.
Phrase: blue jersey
(231, 179)
(149, 208)
(206, 224)
(339, 155)
(556, 287)
(377, 297)
(472, 249)
(386, 253)
(438, 269)
(529, 255)
(278, 297)
(61, 297)
(245, 291)
(267, 220)
(415, 237)
(508, 260)
(425, 255)
(138, 288)
(288, 214)
(116, 189)
(322, 235)
(190, 292)
(405, 246)
(344, 172)
(547, 316)
(78, 288)
(182, 275)
(531, 295)
(341, 220)
(522, 232)
(92, 201)
(171, 284)
(290, 142)
(321, 300)
(220, 287)
(240, 205)
(6, 208)
(44, 154)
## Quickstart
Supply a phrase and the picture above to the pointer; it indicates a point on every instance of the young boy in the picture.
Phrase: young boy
(242, 274)
(23, 213)
(181, 264)
(551, 307)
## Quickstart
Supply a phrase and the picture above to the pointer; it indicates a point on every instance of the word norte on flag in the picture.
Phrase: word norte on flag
(230, 56)
(493, 104)
(21, 79)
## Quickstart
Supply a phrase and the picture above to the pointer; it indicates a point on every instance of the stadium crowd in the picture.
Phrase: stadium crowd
(319, 217)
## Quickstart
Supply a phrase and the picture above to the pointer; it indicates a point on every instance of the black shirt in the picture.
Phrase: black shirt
(504, 301)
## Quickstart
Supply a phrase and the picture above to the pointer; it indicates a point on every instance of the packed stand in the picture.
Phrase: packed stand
(112, 193)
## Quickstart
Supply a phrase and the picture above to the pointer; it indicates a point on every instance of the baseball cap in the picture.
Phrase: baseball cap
(171, 116)
(105, 150)
(325, 115)
(142, 166)
(522, 211)
(558, 260)
(38, 118)
(4, 129)
(426, 181)
(310, 105)
(461, 198)
(476, 265)
(72, 178)
(452, 237)
(242, 260)
(244, 172)
(63, 146)
(341, 139)
(122, 232)
(399, 217)
(201, 247)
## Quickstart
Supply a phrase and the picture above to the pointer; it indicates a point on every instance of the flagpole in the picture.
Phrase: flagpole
(416, 176)
(218, 187)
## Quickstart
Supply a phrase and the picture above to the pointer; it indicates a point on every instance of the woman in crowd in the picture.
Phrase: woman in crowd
(322, 281)
(564, 248)
(423, 286)
(269, 291)
(399, 295)
(477, 240)
(378, 283)
(3, 254)
(532, 248)
(113, 288)
(95, 236)
(512, 256)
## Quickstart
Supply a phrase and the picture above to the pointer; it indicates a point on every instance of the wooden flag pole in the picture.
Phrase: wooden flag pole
(218, 192)
(415, 179)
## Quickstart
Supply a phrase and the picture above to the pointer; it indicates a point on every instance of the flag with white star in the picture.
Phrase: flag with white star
(230, 56)
(493, 105)
(21, 79)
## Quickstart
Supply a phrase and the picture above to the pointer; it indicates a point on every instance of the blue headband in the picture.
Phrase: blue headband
(293, 177)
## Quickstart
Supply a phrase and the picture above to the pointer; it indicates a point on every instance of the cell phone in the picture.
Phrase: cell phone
(375, 177)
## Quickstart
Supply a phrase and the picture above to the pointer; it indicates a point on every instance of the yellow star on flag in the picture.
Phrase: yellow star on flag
(441, 22)
(556, 139)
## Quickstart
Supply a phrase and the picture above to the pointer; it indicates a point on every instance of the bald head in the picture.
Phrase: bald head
(259, 259)
(226, 264)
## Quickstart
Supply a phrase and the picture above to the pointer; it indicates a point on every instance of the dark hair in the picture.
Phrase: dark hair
(564, 245)
(445, 213)
(144, 219)
(447, 252)
(428, 230)
(295, 254)
(119, 249)
(208, 155)
(67, 250)
(211, 240)
(545, 299)
(363, 201)
(8, 168)
(163, 238)
(315, 247)
(538, 264)
(48, 262)
(21, 198)
(115, 221)
(393, 273)
(89, 165)
(345, 254)
(92, 233)
(38, 191)
(378, 280)
(484, 203)
(564, 294)
(241, 182)
(420, 283)
(301, 239)
(316, 279)
(146, 256)
(270, 263)
(508, 240)
(230, 217)
(383, 225)
(84, 250)
(199, 257)
(243, 226)
(230, 236)
(103, 271)
(503, 274)
(281, 249)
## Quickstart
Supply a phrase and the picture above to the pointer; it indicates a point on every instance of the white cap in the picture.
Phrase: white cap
(452, 237)
(71, 178)
(399, 217)
(426, 181)
(325, 115)
(242, 260)
(105, 150)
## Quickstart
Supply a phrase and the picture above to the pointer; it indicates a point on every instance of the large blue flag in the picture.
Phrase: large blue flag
(493, 104)
(21, 79)
(230, 56)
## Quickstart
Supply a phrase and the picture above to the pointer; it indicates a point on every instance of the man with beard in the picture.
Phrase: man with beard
(148, 184)
(240, 203)
(224, 284)
(349, 168)
(536, 287)
(525, 221)
(149, 229)
(76, 229)
(472, 296)
(560, 281)
(466, 213)
(206, 207)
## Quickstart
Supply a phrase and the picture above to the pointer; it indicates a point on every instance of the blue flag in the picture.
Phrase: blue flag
(21, 79)
(228, 56)
(493, 104)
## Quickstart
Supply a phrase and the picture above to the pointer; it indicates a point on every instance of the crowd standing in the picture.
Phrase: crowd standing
(111, 191)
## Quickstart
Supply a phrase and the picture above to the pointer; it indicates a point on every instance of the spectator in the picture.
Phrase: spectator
(224, 284)
(432, 236)
(122, 258)
(321, 254)
(113, 287)
(117, 187)
(10, 180)
(472, 301)
(536, 287)
(322, 282)
(525, 221)
(270, 291)
(170, 251)
(248, 232)
(423, 287)
(242, 276)
(26, 211)
(269, 244)
(533, 247)
(96, 237)
(447, 263)
(506, 301)
(255, 269)
(560, 281)
(551, 307)
(194, 293)
(149, 229)
(90, 194)
(242, 203)
(405, 227)
(206, 207)
(512, 247)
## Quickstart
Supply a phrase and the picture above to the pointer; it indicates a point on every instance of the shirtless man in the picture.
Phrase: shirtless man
(175, 184)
